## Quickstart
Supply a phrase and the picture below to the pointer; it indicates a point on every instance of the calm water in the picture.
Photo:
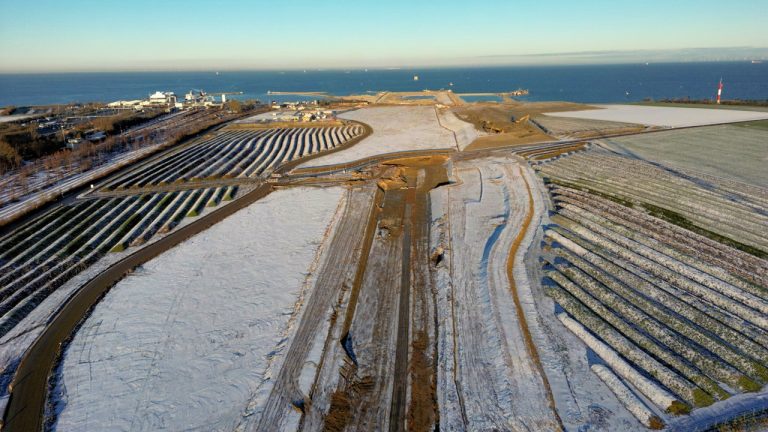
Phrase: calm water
(481, 98)
(592, 84)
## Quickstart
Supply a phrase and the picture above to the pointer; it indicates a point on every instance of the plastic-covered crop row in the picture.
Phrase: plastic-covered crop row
(638, 288)
(240, 153)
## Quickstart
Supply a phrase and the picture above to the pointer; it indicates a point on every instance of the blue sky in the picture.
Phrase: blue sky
(78, 35)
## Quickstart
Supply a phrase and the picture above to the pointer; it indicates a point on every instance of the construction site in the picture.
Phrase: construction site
(416, 262)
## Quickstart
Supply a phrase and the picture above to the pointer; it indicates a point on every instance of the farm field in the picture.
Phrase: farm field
(236, 154)
(44, 253)
(644, 270)
(49, 184)
(725, 210)
(663, 116)
(359, 327)
(48, 257)
(191, 332)
(43, 259)
(409, 281)
(396, 128)
(582, 128)
(739, 153)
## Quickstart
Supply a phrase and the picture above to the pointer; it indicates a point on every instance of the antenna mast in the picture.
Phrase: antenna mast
(719, 90)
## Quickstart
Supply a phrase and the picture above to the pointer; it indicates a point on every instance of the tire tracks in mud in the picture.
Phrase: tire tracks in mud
(370, 341)
(419, 356)
(395, 380)
(400, 385)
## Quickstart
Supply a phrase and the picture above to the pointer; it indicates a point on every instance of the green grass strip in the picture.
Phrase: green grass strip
(681, 221)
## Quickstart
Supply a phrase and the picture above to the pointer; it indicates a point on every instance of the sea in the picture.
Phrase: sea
(583, 83)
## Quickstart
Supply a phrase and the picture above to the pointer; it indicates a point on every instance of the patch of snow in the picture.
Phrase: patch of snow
(583, 402)
(16, 117)
(465, 132)
(664, 116)
(186, 341)
(497, 382)
(658, 395)
(395, 129)
(624, 394)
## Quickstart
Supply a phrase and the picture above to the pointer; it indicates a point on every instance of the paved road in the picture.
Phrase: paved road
(174, 187)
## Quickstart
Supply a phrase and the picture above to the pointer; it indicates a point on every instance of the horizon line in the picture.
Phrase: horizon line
(377, 68)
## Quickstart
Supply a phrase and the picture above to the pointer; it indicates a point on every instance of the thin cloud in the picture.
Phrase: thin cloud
(682, 54)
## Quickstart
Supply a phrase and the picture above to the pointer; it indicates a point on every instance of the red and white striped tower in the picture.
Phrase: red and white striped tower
(719, 91)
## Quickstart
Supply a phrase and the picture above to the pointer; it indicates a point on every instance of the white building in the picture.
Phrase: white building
(162, 98)
(125, 104)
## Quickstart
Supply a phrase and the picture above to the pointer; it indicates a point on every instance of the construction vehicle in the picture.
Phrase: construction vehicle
(523, 119)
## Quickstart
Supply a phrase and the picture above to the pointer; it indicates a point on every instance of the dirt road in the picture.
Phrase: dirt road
(522, 321)
(338, 271)
(493, 381)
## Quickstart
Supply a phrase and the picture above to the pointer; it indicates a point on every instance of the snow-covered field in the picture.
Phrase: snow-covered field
(396, 128)
(640, 291)
(663, 116)
(16, 341)
(192, 338)
(465, 132)
(568, 127)
(497, 380)
(730, 151)
(30, 201)
(490, 381)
